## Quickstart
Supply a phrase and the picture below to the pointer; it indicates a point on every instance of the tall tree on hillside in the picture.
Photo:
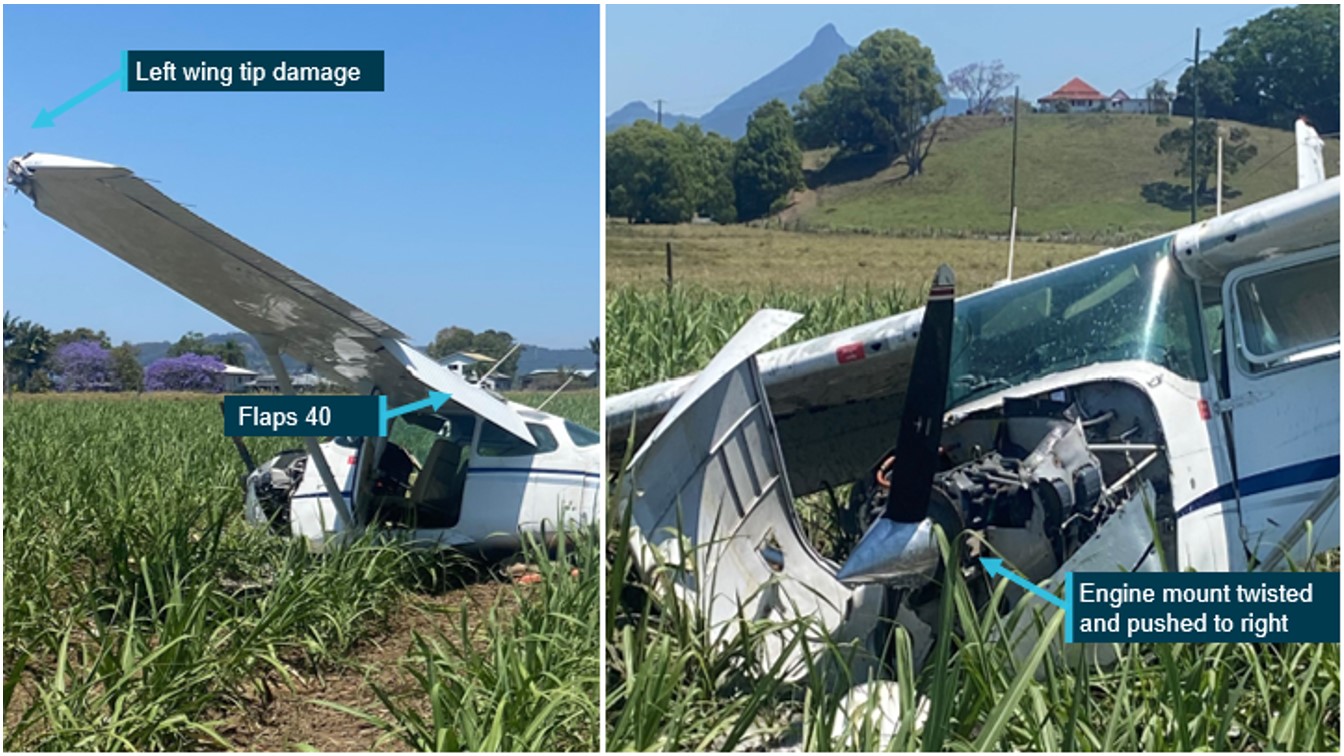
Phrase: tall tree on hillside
(877, 98)
(768, 163)
(1277, 67)
(126, 369)
(1236, 151)
(981, 84)
(1158, 95)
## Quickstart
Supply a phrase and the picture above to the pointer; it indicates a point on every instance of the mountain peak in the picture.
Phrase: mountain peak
(827, 35)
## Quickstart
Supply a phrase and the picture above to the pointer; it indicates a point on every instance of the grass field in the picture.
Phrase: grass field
(672, 686)
(1080, 176)
(140, 613)
(746, 258)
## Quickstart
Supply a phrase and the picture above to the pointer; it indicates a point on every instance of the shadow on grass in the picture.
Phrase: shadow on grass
(1177, 197)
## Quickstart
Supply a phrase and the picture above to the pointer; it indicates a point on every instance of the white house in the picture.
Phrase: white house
(236, 378)
(467, 364)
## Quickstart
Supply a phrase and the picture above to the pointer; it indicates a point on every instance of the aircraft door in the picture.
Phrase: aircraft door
(1282, 325)
(508, 483)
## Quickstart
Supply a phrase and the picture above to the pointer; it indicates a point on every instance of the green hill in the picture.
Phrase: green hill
(1080, 176)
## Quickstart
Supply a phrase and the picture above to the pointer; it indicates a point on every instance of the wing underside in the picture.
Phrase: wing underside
(853, 379)
(712, 510)
(285, 311)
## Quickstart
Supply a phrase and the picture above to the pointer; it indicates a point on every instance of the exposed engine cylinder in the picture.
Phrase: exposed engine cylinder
(1059, 478)
(1041, 479)
(273, 485)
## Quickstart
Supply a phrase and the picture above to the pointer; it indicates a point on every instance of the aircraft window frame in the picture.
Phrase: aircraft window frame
(1255, 363)
(502, 444)
(1132, 303)
(584, 436)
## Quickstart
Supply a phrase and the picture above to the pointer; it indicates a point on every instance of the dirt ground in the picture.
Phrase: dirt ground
(295, 720)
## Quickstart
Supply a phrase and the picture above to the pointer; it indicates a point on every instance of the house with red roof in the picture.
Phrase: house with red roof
(1077, 95)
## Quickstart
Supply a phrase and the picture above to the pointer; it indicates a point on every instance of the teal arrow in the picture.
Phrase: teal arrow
(385, 415)
(995, 567)
(47, 118)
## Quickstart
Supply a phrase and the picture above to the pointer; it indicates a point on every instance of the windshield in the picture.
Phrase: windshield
(1131, 304)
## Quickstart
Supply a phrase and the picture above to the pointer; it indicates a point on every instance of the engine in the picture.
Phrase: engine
(271, 486)
(1030, 477)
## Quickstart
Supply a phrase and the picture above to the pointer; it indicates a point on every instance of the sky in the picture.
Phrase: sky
(465, 194)
(693, 57)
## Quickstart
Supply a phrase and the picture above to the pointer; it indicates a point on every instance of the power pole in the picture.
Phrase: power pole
(660, 112)
(1012, 191)
(1194, 136)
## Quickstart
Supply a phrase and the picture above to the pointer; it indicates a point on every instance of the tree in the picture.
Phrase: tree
(658, 175)
(981, 84)
(27, 347)
(1236, 151)
(83, 366)
(768, 163)
(490, 343)
(595, 346)
(449, 340)
(70, 336)
(877, 98)
(496, 344)
(126, 370)
(187, 372)
(1158, 96)
(192, 342)
(712, 165)
(1277, 67)
(230, 353)
(651, 175)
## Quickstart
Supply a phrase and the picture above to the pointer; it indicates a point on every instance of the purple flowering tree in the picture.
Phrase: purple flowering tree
(84, 366)
(189, 372)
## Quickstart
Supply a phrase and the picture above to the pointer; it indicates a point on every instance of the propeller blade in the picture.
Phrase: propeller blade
(899, 548)
(916, 457)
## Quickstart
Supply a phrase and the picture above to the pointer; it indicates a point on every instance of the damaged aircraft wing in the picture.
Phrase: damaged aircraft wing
(715, 516)
(286, 312)
(853, 379)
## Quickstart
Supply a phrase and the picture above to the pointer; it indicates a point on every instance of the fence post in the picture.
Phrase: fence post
(669, 266)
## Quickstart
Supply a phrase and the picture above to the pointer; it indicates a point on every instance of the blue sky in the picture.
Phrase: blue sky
(466, 193)
(693, 57)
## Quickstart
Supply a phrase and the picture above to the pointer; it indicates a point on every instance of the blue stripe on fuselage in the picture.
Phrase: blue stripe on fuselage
(530, 470)
(1271, 480)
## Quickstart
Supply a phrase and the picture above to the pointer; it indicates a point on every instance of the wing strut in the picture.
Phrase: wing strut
(310, 443)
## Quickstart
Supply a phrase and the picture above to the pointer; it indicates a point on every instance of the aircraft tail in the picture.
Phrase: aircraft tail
(1310, 155)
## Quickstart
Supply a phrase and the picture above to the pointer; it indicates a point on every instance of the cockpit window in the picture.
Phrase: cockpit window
(497, 442)
(580, 435)
(1132, 304)
(1288, 310)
